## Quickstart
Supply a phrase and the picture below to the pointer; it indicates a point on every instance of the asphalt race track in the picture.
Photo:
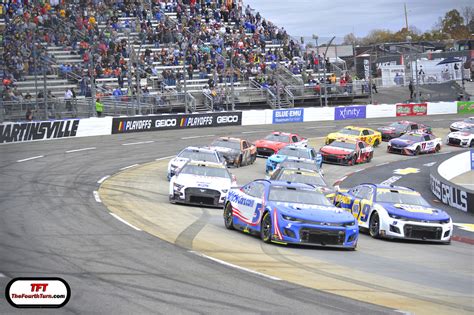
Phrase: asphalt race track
(52, 224)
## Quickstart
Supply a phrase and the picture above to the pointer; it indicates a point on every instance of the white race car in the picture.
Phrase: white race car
(463, 137)
(458, 125)
(395, 212)
(192, 154)
(201, 183)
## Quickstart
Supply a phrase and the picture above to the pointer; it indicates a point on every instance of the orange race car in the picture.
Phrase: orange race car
(236, 151)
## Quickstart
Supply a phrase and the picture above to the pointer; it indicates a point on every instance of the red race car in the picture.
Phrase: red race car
(347, 152)
(399, 128)
(272, 143)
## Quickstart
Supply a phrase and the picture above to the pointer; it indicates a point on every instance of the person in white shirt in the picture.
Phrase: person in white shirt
(67, 98)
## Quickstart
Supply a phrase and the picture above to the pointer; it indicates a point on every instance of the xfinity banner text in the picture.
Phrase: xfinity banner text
(282, 116)
(350, 112)
(178, 121)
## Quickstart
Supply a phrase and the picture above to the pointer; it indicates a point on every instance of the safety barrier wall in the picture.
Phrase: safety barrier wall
(46, 130)
(447, 192)
(54, 129)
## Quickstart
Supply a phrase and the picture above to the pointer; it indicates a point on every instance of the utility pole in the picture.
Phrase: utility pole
(232, 80)
(406, 16)
(315, 37)
(325, 85)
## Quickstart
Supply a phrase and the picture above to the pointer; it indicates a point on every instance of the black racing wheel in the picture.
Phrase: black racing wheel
(228, 217)
(374, 225)
(266, 228)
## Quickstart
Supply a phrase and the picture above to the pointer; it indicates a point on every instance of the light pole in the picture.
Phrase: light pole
(417, 82)
(315, 37)
(325, 87)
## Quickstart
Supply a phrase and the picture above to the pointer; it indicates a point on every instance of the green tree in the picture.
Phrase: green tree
(453, 24)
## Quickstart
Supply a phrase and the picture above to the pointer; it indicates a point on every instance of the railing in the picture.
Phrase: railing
(290, 98)
(208, 101)
(271, 99)
(190, 101)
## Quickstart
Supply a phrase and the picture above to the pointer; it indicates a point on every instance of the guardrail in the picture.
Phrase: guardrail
(148, 108)
(447, 192)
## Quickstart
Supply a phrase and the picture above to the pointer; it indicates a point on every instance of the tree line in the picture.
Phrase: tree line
(454, 25)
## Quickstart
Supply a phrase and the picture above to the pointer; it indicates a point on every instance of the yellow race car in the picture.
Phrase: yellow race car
(370, 136)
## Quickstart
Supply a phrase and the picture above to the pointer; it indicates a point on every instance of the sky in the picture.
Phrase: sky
(339, 17)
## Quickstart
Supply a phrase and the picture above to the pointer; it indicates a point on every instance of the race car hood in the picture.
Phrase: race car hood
(460, 125)
(415, 212)
(387, 130)
(217, 183)
(178, 162)
(328, 149)
(270, 144)
(459, 135)
(401, 143)
(225, 151)
(315, 213)
(277, 158)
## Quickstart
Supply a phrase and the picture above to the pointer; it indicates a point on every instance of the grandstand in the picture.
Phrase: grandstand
(174, 56)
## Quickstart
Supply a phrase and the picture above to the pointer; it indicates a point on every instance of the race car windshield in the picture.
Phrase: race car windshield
(398, 125)
(411, 137)
(296, 177)
(226, 144)
(298, 164)
(349, 132)
(205, 171)
(396, 196)
(199, 156)
(300, 153)
(469, 129)
(344, 145)
(278, 138)
(304, 196)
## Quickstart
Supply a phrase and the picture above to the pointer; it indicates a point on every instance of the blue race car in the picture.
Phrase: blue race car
(293, 151)
(285, 212)
(395, 212)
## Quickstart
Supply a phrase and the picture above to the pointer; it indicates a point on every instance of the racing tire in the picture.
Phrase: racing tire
(376, 143)
(239, 162)
(471, 144)
(369, 158)
(353, 160)
(254, 158)
(417, 151)
(374, 225)
(228, 217)
(171, 199)
(266, 228)
(437, 148)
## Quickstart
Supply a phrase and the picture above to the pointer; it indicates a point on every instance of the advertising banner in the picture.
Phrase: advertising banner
(283, 116)
(350, 112)
(54, 129)
(465, 107)
(42, 130)
(412, 109)
(451, 195)
(178, 121)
